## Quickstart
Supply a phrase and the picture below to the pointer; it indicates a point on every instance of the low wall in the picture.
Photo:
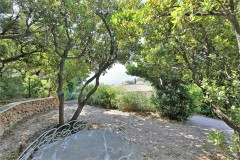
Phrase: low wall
(12, 113)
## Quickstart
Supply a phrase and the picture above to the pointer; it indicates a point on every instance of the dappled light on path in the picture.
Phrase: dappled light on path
(156, 138)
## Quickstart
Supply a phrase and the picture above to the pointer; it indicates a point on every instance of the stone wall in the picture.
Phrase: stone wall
(14, 112)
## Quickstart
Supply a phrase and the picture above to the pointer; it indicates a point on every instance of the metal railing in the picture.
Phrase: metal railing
(66, 130)
(51, 136)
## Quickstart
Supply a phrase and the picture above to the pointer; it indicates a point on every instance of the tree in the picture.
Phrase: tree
(194, 36)
(65, 22)
(16, 30)
(80, 32)
(104, 52)
(50, 34)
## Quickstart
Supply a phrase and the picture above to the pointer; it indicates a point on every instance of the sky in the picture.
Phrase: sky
(116, 75)
(117, 68)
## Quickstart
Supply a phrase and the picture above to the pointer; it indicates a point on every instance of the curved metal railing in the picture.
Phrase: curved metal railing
(51, 136)
(66, 130)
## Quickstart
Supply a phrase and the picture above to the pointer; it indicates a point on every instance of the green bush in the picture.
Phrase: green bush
(104, 96)
(118, 98)
(38, 87)
(174, 100)
(197, 96)
(206, 110)
(70, 89)
(67, 94)
(133, 101)
(11, 87)
(234, 113)
(229, 148)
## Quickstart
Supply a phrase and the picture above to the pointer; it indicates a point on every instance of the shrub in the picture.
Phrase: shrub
(229, 148)
(118, 98)
(11, 87)
(38, 87)
(69, 88)
(234, 113)
(174, 100)
(67, 94)
(104, 96)
(197, 96)
(206, 110)
(133, 101)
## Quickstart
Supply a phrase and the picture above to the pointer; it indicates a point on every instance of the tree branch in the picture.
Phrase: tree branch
(224, 117)
(209, 13)
(92, 90)
(10, 24)
(14, 36)
(20, 35)
(82, 103)
(55, 41)
(15, 58)
(83, 51)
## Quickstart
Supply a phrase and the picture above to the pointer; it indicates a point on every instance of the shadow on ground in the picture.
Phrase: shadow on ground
(157, 139)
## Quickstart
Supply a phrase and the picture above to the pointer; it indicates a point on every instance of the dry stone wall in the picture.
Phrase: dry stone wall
(14, 112)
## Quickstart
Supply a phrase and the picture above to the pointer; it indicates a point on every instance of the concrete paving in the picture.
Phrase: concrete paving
(210, 123)
(90, 145)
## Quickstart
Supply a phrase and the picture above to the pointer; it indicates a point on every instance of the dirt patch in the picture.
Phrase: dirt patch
(156, 138)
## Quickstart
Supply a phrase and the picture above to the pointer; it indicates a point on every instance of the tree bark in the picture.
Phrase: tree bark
(104, 65)
(221, 115)
(81, 103)
(224, 117)
(60, 91)
(232, 18)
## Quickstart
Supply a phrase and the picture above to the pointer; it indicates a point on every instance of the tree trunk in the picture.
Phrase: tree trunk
(81, 103)
(221, 115)
(109, 61)
(224, 117)
(60, 91)
(232, 18)
(238, 40)
(78, 111)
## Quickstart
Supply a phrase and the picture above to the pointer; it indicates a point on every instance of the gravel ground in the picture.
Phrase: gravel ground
(157, 139)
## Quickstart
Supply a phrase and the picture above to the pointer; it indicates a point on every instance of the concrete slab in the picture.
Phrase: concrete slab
(90, 145)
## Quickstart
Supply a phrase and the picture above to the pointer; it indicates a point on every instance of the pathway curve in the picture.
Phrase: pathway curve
(156, 138)
(210, 123)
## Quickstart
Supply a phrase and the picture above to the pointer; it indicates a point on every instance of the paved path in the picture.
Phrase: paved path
(210, 123)
(200, 121)
(156, 138)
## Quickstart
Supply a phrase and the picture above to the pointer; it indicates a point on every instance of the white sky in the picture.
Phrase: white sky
(117, 68)
(116, 75)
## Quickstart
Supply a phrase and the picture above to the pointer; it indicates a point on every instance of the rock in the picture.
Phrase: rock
(95, 144)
